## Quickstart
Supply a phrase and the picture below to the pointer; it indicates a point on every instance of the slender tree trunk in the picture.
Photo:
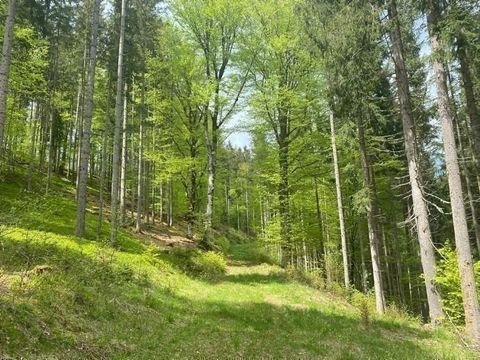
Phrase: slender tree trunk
(50, 150)
(284, 200)
(319, 217)
(87, 125)
(160, 210)
(117, 138)
(372, 212)
(338, 187)
(5, 65)
(420, 208)
(34, 120)
(104, 161)
(468, 183)
(123, 166)
(472, 107)
(170, 202)
(138, 225)
(465, 261)
(211, 171)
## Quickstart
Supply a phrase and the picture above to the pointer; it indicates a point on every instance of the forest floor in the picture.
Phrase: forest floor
(66, 298)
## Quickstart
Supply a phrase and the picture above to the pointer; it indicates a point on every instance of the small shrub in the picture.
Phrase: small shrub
(313, 278)
(365, 303)
(222, 243)
(209, 265)
(364, 314)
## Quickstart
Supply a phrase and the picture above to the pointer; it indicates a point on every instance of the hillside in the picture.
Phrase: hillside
(66, 298)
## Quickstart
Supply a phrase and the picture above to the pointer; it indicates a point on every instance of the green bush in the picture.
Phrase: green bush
(209, 265)
(260, 255)
(222, 243)
(448, 280)
(310, 278)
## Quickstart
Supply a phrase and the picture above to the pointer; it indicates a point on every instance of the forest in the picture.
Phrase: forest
(251, 179)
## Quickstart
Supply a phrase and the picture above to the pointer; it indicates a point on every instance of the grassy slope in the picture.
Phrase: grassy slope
(135, 303)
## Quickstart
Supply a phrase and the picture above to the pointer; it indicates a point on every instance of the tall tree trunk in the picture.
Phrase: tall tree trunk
(319, 218)
(5, 65)
(284, 186)
(472, 107)
(117, 137)
(170, 202)
(34, 115)
(87, 124)
(341, 220)
(420, 208)
(104, 167)
(465, 261)
(468, 187)
(211, 172)
(138, 225)
(123, 166)
(372, 213)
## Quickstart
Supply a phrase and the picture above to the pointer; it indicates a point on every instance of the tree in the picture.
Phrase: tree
(116, 162)
(341, 220)
(465, 261)
(87, 123)
(5, 66)
(214, 28)
(420, 208)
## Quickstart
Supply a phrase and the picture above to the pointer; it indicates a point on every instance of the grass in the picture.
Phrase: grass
(91, 301)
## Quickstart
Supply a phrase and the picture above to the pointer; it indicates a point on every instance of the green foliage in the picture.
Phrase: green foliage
(222, 242)
(365, 303)
(252, 251)
(314, 279)
(209, 265)
(448, 280)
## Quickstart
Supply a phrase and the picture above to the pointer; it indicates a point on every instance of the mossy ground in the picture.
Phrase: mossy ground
(92, 301)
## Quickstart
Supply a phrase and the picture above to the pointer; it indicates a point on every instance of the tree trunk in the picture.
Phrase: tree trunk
(118, 127)
(138, 225)
(34, 115)
(472, 108)
(5, 65)
(465, 261)
(372, 212)
(87, 125)
(104, 160)
(170, 202)
(338, 187)
(123, 166)
(420, 208)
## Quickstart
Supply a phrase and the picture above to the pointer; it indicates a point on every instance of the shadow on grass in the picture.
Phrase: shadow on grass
(253, 278)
